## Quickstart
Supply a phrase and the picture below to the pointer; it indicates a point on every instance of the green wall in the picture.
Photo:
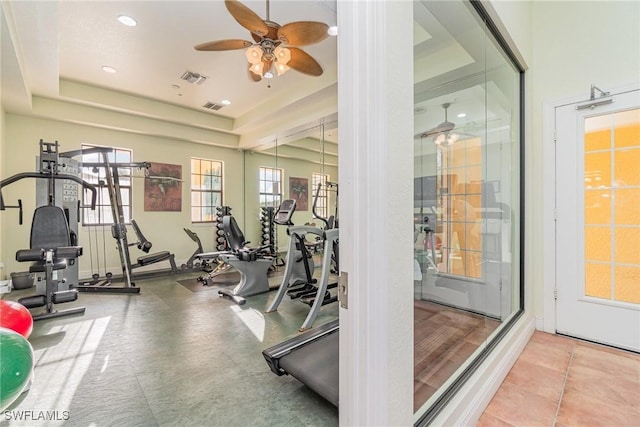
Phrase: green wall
(19, 148)
(164, 229)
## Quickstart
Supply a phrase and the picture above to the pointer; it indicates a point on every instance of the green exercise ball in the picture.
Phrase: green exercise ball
(16, 365)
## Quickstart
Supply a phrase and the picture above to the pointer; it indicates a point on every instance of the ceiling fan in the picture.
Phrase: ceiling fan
(268, 49)
(443, 133)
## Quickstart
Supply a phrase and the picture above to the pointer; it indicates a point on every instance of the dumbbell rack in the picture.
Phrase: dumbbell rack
(267, 229)
(221, 240)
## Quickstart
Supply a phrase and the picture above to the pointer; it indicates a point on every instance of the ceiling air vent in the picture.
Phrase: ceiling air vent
(193, 78)
(213, 106)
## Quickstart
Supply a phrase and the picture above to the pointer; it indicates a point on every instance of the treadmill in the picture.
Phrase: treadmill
(311, 358)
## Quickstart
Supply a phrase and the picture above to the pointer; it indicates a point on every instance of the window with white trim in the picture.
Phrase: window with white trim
(270, 184)
(96, 175)
(206, 189)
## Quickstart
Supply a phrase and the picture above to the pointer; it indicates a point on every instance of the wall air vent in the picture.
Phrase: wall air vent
(193, 78)
(212, 106)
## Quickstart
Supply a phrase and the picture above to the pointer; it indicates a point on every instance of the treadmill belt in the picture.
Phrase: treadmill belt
(311, 357)
(316, 365)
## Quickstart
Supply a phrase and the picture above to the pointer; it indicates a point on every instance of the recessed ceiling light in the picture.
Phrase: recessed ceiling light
(127, 20)
(461, 115)
(333, 30)
(109, 69)
(225, 102)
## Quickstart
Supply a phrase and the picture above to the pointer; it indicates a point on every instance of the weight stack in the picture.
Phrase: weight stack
(221, 240)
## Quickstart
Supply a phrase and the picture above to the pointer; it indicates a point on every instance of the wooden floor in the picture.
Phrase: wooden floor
(560, 381)
(444, 338)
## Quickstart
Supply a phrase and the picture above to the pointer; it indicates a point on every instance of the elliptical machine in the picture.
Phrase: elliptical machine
(300, 261)
(307, 289)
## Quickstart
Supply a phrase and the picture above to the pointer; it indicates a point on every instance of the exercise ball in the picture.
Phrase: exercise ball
(16, 366)
(16, 317)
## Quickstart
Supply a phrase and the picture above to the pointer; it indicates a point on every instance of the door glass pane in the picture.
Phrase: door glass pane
(612, 206)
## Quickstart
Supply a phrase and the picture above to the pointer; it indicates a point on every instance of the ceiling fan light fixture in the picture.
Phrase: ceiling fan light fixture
(254, 55)
(264, 52)
(281, 68)
(446, 138)
(283, 55)
(257, 68)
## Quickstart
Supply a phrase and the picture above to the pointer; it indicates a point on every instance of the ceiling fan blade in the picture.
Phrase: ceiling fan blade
(246, 17)
(301, 33)
(231, 44)
(303, 62)
(441, 128)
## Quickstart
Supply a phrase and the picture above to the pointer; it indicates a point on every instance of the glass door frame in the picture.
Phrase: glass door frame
(454, 386)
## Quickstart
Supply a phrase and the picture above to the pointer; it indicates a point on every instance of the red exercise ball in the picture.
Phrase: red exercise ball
(16, 317)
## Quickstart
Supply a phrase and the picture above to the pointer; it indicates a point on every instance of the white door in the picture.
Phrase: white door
(598, 221)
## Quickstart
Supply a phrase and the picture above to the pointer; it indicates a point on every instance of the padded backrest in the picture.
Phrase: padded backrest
(49, 228)
(232, 232)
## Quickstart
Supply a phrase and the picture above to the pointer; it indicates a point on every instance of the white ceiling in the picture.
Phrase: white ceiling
(54, 50)
(60, 48)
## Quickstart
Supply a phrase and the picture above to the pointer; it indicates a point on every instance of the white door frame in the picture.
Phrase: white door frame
(549, 201)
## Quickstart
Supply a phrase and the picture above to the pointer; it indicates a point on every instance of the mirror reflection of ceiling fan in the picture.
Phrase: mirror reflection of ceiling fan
(444, 134)
(274, 46)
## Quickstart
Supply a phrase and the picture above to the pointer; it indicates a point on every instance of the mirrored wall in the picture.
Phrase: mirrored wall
(291, 166)
(467, 194)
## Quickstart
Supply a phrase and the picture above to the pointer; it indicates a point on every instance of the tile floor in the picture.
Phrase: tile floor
(562, 382)
(170, 356)
(167, 357)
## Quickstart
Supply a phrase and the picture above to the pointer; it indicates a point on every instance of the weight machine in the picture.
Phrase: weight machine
(119, 230)
(192, 262)
(53, 243)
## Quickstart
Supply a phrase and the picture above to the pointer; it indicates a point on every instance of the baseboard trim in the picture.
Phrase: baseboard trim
(539, 323)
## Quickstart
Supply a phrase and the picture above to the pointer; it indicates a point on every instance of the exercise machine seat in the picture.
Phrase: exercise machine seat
(153, 258)
(145, 246)
(235, 237)
(50, 250)
(49, 231)
(252, 263)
